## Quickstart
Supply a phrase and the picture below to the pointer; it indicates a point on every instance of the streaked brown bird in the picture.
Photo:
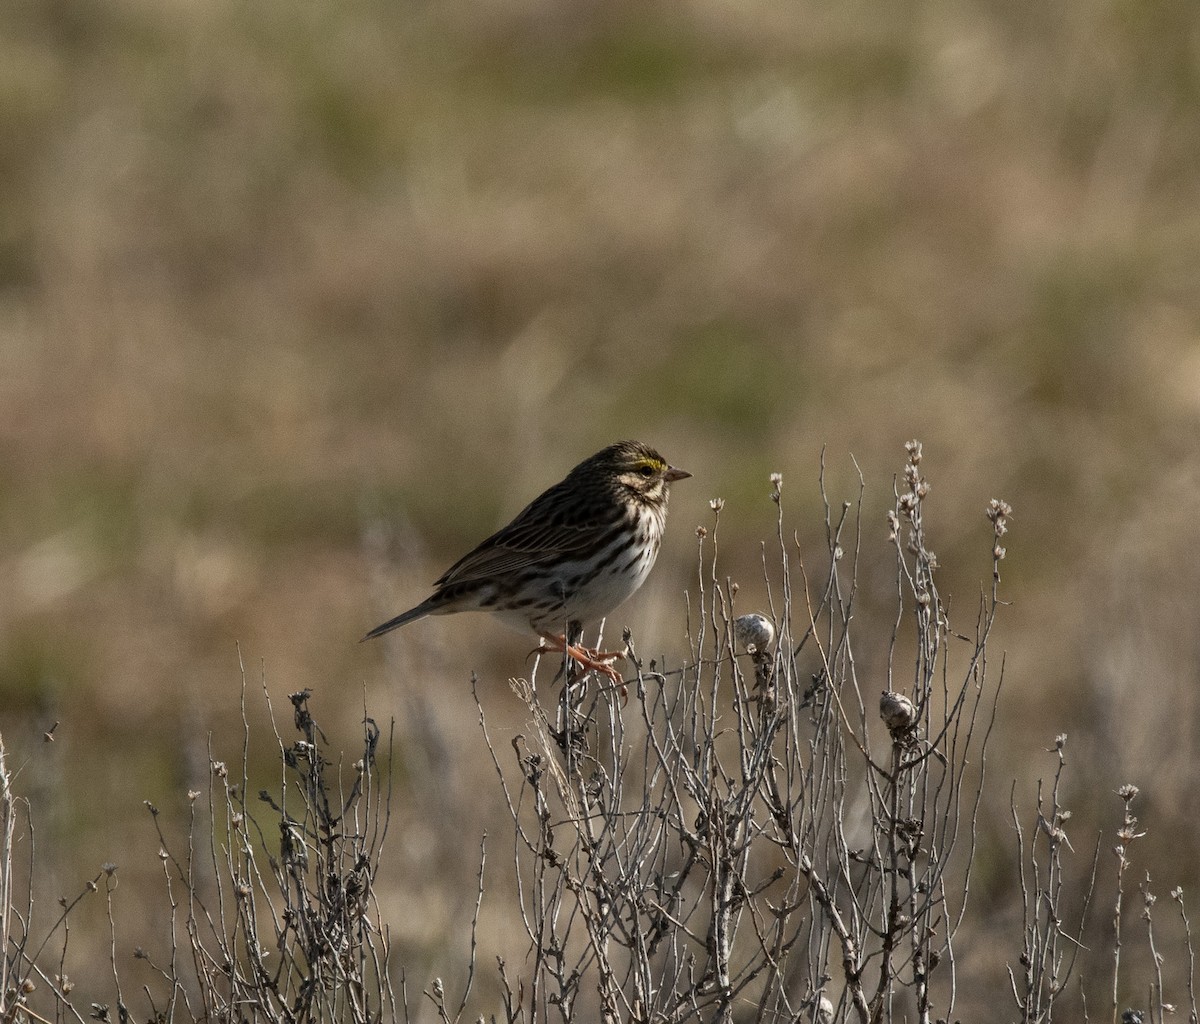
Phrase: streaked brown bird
(570, 557)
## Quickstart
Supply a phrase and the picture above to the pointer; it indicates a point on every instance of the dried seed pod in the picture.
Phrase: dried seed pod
(897, 711)
(753, 632)
(823, 1011)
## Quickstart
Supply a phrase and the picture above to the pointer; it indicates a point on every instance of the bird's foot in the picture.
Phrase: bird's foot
(587, 658)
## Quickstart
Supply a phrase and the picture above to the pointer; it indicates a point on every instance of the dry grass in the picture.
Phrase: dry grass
(296, 302)
(735, 837)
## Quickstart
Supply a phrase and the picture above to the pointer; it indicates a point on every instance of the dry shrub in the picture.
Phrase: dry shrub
(754, 834)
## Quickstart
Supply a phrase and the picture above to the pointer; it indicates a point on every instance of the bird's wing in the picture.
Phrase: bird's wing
(548, 529)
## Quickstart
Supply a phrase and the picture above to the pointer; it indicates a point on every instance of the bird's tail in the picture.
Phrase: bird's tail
(418, 612)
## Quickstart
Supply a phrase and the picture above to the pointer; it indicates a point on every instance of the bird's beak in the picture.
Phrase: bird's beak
(673, 474)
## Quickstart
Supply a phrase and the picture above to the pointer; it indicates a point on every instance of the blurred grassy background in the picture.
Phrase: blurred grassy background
(299, 299)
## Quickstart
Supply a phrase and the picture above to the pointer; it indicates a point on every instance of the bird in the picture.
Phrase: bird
(571, 556)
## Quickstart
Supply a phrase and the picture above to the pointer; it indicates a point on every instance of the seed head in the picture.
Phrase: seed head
(823, 1011)
(753, 632)
(897, 712)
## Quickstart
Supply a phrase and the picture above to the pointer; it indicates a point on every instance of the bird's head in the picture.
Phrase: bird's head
(638, 468)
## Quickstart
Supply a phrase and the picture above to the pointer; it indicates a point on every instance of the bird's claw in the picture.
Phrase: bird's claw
(586, 658)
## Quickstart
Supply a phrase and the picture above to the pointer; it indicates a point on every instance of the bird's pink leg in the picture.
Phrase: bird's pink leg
(597, 661)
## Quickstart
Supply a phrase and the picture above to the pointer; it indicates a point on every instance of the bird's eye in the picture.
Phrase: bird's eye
(647, 471)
